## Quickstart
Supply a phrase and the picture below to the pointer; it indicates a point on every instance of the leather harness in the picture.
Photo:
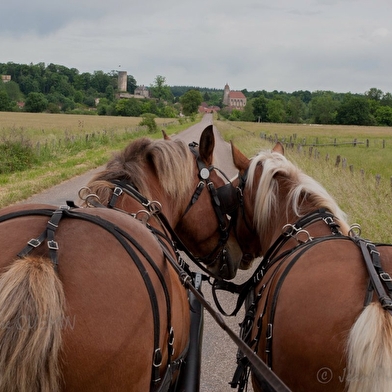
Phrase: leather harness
(129, 243)
(380, 282)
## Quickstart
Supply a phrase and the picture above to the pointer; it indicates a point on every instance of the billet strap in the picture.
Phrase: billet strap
(378, 277)
(49, 235)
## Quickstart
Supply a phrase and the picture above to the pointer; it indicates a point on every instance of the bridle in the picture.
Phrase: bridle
(224, 201)
(242, 178)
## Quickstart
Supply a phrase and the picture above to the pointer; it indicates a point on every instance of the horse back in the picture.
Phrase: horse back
(310, 300)
(108, 324)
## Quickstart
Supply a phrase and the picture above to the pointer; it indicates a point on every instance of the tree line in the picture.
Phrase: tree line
(320, 107)
(56, 88)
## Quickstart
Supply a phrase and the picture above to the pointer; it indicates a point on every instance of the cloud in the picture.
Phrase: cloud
(304, 45)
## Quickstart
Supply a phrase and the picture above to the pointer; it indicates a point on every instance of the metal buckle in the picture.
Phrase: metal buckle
(157, 361)
(53, 245)
(34, 242)
(385, 277)
(117, 191)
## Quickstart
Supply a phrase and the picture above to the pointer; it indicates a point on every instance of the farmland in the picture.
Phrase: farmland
(64, 146)
(77, 143)
(354, 186)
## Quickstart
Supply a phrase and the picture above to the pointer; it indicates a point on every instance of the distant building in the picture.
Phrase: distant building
(5, 78)
(233, 99)
(204, 108)
(142, 91)
(122, 81)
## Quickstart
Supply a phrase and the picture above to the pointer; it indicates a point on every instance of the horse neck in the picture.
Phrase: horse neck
(288, 217)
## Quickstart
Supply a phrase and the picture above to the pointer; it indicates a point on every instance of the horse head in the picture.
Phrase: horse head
(248, 233)
(167, 178)
(207, 208)
(275, 193)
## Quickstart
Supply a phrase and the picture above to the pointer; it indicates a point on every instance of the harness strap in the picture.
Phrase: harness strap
(378, 277)
(128, 243)
(49, 235)
(244, 288)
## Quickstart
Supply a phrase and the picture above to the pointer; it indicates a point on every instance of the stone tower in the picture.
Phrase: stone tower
(226, 93)
(122, 81)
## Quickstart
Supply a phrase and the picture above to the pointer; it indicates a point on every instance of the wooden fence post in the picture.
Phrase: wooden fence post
(378, 178)
(337, 163)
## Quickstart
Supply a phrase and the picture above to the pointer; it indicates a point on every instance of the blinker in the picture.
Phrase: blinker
(228, 198)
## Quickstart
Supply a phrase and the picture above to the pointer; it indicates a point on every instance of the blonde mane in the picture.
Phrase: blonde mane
(171, 161)
(304, 194)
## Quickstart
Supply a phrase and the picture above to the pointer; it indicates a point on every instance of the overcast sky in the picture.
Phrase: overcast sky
(288, 45)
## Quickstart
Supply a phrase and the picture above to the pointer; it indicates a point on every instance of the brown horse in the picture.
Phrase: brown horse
(90, 299)
(321, 311)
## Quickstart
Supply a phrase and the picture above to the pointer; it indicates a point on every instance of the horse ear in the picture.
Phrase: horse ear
(206, 145)
(278, 148)
(241, 162)
(165, 135)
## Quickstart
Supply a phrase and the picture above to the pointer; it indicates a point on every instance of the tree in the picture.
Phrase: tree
(354, 111)
(36, 103)
(374, 93)
(131, 84)
(160, 90)
(149, 121)
(276, 112)
(5, 102)
(191, 101)
(247, 113)
(295, 110)
(324, 109)
(13, 91)
(384, 116)
(260, 110)
(128, 107)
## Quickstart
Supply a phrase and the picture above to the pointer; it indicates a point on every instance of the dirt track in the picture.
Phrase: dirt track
(219, 352)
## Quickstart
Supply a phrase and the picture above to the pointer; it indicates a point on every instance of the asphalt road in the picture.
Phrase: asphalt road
(219, 352)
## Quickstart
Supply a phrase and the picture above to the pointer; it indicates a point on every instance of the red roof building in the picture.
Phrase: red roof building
(233, 99)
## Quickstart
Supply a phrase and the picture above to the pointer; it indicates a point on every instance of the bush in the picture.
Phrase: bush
(15, 156)
(149, 121)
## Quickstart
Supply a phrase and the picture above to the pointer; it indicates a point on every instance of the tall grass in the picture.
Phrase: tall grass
(63, 146)
(357, 192)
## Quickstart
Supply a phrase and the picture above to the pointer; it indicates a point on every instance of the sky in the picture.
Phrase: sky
(285, 45)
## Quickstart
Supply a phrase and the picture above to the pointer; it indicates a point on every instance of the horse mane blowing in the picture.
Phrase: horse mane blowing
(279, 174)
(171, 160)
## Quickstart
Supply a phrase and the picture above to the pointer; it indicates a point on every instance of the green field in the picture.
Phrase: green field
(80, 143)
(65, 146)
(356, 191)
